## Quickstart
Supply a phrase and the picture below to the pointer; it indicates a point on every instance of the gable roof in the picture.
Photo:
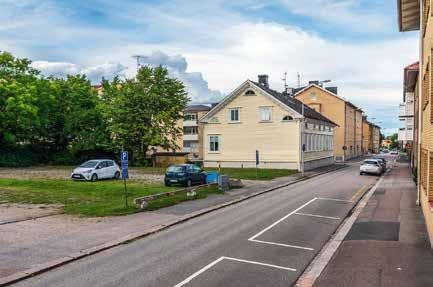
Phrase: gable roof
(197, 108)
(285, 100)
(329, 92)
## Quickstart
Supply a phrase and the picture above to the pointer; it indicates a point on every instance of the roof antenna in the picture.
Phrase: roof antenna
(285, 81)
(137, 58)
(299, 79)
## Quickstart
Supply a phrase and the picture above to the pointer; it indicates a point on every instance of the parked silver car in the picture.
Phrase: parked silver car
(371, 166)
(96, 169)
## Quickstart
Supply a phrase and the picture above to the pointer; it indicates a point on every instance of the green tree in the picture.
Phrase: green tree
(394, 141)
(144, 112)
(18, 100)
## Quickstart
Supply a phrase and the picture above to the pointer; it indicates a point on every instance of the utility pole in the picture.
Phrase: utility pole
(137, 58)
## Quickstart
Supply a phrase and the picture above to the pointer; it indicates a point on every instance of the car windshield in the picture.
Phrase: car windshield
(370, 162)
(175, 168)
(90, 163)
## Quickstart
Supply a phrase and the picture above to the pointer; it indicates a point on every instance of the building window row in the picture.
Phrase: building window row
(316, 142)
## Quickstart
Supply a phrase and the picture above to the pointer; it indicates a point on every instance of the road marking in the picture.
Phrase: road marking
(313, 271)
(283, 218)
(358, 193)
(281, 244)
(315, 215)
(187, 280)
(334, 199)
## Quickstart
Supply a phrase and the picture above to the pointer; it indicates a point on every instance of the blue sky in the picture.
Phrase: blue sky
(214, 45)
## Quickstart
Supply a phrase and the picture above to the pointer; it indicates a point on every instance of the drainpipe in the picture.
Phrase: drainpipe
(418, 174)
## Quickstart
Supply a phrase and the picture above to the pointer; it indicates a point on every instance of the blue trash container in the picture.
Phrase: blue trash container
(212, 177)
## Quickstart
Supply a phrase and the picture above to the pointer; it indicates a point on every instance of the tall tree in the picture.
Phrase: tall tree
(144, 112)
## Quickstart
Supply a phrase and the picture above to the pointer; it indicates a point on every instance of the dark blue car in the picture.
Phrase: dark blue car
(185, 174)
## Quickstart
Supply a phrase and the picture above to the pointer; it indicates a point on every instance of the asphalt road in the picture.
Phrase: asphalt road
(264, 241)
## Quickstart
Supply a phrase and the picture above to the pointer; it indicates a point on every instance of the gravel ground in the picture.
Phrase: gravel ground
(53, 172)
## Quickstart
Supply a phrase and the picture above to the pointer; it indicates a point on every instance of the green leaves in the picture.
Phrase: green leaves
(144, 112)
(68, 116)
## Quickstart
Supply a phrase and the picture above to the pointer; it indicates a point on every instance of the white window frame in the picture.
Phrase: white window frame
(218, 137)
(261, 112)
(239, 115)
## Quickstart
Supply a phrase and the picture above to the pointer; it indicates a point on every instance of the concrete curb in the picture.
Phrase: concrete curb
(30, 218)
(40, 268)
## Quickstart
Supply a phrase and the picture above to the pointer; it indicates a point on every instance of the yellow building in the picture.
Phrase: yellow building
(348, 117)
(367, 137)
(417, 15)
(193, 131)
(256, 118)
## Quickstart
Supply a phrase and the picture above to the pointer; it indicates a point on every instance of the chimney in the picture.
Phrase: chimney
(313, 83)
(290, 91)
(263, 80)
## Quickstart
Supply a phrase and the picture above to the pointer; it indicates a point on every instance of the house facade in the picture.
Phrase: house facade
(417, 15)
(348, 117)
(193, 131)
(256, 118)
(406, 108)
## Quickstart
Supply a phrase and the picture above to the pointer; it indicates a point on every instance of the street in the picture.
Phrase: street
(265, 241)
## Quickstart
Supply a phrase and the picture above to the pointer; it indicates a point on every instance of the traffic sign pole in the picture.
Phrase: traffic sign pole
(125, 173)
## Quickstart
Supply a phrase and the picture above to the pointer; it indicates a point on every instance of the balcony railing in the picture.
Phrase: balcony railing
(190, 123)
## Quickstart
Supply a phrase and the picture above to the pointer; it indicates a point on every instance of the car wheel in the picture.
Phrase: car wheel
(361, 173)
(189, 183)
(167, 183)
(116, 175)
(94, 177)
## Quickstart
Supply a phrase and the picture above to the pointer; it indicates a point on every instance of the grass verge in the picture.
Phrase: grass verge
(91, 199)
(250, 173)
(175, 199)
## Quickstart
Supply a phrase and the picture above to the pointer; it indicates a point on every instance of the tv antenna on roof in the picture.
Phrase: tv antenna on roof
(137, 58)
(299, 79)
(285, 81)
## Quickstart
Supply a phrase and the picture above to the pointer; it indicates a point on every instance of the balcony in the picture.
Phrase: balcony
(190, 137)
(190, 123)
(406, 110)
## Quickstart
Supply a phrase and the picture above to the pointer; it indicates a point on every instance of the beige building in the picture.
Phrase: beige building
(256, 118)
(417, 15)
(348, 117)
(193, 131)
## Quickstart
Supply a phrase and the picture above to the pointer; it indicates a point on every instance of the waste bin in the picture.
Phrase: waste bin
(212, 177)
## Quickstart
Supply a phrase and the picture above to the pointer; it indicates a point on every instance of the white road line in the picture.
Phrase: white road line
(260, 263)
(281, 244)
(315, 215)
(334, 199)
(278, 221)
(187, 280)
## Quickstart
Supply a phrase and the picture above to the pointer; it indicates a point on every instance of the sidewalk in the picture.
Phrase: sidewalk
(388, 244)
(30, 246)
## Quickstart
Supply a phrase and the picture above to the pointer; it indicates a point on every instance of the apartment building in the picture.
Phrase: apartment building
(193, 131)
(406, 114)
(348, 117)
(418, 15)
(256, 118)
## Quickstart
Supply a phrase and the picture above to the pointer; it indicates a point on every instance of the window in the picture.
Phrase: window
(313, 96)
(287, 118)
(265, 114)
(234, 115)
(250, 93)
(214, 143)
(190, 130)
(190, 117)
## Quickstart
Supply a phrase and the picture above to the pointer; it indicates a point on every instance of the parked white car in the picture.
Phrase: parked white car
(371, 166)
(96, 169)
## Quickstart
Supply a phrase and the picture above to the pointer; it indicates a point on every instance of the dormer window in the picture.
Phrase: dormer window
(287, 118)
(250, 93)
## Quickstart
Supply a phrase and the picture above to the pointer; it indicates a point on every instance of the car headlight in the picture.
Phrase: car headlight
(88, 171)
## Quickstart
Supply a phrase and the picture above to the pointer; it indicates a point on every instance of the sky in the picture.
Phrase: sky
(215, 45)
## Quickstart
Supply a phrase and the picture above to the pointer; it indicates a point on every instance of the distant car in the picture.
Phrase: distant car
(382, 161)
(370, 166)
(394, 152)
(385, 151)
(93, 170)
(185, 174)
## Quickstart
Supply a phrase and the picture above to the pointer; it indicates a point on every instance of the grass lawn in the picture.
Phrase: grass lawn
(100, 198)
(250, 173)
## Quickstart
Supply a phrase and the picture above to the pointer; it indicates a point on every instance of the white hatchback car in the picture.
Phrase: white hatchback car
(96, 169)
(371, 166)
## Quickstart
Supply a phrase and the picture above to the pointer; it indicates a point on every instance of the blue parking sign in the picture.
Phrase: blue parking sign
(124, 164)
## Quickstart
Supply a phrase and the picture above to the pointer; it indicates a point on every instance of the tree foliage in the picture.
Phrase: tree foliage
(66, 118)
(144, 112)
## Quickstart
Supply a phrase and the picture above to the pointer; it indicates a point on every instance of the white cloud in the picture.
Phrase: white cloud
(94, 73)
